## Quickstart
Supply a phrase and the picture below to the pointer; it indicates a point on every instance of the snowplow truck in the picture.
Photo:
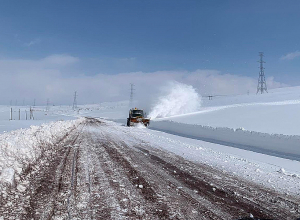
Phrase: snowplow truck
(136, 116)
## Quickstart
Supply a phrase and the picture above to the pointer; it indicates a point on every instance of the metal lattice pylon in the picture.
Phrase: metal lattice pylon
(262, 85)
(131, 95)
(48, 105)
(75, 101)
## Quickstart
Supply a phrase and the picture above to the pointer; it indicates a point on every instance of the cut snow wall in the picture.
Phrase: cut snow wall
(287, 146)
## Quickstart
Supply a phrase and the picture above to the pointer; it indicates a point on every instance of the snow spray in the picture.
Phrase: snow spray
(178, 99)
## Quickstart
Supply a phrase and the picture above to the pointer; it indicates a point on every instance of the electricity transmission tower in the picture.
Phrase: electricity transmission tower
(48, 105)
(262, 85)
(131, 94)
(75, 101)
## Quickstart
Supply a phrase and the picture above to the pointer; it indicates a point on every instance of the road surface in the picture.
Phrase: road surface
(95, 173)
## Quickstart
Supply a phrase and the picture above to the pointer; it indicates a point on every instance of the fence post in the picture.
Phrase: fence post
(31, 113)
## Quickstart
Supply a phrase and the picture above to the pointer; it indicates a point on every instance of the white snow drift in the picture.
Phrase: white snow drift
(20, 147)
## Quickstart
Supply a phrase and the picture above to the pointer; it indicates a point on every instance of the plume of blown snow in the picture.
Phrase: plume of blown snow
(178, 99)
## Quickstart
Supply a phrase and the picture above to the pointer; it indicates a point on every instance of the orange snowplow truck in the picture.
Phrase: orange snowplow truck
(136, 116)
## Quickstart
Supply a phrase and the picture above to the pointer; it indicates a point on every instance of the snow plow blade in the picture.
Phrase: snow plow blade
(135, 121)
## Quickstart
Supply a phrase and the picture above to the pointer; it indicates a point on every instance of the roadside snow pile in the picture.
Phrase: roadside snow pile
(273, 144)
(178, 99)
(22, 147)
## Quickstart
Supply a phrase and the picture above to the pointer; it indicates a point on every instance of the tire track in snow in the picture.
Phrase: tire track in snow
(255, 200)
(137, 180)
(46, 181)
(217, 195)
(107, 174)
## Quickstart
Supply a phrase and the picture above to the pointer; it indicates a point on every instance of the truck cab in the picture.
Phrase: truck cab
(137, 116)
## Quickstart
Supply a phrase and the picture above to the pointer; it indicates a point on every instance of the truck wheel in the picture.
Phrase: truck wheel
(128, 123)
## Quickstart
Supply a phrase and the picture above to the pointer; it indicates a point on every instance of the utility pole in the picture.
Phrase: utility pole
(75, 101)
(262, 85)
(131, 95)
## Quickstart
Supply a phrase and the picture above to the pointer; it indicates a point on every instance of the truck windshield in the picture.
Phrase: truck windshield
(137, 113)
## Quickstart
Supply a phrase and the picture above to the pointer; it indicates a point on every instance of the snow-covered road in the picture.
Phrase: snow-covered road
(101, 170)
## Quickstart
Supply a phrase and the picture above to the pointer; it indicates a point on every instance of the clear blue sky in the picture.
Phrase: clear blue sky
(137, 35)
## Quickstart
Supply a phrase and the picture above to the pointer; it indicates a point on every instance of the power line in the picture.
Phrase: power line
(262, 85)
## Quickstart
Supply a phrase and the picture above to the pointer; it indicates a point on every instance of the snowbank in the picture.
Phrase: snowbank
(22, 147)
(269, 117)
(287, 146)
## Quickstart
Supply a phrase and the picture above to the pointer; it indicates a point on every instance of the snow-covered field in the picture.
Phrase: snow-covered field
(266, 123)
(57, 113)
(40, 115)
(276, 112)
